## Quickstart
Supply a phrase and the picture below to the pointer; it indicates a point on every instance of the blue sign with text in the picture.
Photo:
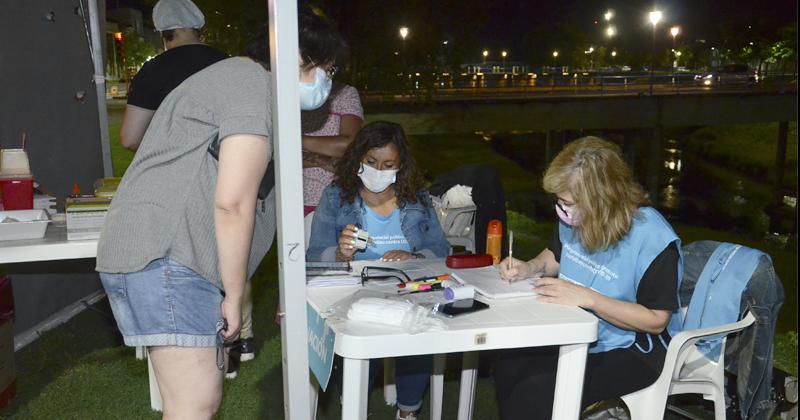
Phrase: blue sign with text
(320, 347)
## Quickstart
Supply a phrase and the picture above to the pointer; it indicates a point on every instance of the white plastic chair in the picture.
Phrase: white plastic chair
(687, 371)
(458, 225)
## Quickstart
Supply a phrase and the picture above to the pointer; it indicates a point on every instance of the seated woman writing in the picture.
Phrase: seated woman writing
(611, 255)
(377, 188)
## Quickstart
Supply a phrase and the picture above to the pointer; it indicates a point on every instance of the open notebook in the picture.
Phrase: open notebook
(487, 282)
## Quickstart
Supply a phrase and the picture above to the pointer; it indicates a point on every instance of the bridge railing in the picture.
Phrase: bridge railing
(586, 83)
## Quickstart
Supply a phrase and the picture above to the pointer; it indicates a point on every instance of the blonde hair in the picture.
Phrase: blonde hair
(602, 186)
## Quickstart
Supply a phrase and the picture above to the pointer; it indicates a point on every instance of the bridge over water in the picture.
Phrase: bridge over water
(557, 113)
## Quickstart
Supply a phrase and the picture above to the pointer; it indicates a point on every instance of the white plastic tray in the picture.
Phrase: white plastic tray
(31, 224)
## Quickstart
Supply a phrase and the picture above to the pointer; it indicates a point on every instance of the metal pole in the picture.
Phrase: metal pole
(289, 207)
(780, 165)
(654, 163)
(100, 86)
(653, 63)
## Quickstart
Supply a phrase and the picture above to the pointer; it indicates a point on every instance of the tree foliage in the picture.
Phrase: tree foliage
(137, 49)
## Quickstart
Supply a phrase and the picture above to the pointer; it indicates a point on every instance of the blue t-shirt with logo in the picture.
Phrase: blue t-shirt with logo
(385, 234)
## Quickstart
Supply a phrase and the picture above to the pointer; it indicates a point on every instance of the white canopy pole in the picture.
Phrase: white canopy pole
(287, 137)
(100, 85)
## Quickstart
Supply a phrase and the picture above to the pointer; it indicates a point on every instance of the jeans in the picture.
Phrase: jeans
(748, 354)
(164, 304)
(411, 375)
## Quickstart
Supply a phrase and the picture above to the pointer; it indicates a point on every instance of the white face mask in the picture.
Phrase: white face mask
(375, 180)
(312, 96)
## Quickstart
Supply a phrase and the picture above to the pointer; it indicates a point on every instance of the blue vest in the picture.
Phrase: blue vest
(616, 271)
(718, 293)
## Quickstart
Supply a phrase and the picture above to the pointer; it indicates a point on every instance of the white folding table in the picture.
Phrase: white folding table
(511, 323)
(55, 246)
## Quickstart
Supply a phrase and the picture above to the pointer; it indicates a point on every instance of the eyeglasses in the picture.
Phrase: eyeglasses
(566, 209)
(383, 273)
(331, 71)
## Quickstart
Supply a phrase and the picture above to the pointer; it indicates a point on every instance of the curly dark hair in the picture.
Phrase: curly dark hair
(376, 135)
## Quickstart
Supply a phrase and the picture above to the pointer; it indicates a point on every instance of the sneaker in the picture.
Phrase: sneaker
(234, 360)
(409, 416)
(247, 349)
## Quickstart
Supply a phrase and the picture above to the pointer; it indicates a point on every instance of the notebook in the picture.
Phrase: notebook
(330, 274)
(487, 282)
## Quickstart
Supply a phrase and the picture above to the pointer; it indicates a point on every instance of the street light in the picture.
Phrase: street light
(655, 17)
(504, 54)
(485, 54)
(674, 31)
(611, 31)
(613, 56)
(609, 15)
(403, 34)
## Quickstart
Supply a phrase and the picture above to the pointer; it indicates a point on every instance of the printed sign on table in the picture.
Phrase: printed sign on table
(320, 347)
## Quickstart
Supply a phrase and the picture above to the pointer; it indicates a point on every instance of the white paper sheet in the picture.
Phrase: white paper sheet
(487, 282)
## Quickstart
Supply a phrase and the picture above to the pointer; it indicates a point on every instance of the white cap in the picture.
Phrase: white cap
(174, 14)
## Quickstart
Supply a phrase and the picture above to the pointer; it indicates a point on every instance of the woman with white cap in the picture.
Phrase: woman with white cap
(179, 22)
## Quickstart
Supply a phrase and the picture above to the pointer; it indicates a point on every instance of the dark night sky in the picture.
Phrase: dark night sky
(699, 19)
(528, 25)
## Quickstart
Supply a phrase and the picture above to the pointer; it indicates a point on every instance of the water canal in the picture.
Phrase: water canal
(693, 190)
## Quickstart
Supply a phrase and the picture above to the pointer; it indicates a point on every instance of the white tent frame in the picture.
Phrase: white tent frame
(286, 132)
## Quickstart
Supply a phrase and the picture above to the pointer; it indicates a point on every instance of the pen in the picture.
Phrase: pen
(431, 279)
(425, 287)
(510, 251)
(416, 283)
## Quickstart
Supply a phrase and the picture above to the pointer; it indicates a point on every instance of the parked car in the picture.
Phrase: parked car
(730, 74)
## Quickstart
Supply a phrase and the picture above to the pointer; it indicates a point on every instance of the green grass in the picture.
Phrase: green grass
(748, 148)
(120, 157)
(81, 370)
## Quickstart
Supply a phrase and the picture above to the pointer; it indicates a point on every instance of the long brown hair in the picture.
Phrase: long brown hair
(372, 136)
(603, 187)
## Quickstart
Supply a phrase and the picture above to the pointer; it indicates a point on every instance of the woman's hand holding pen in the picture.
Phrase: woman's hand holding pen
(512, 269)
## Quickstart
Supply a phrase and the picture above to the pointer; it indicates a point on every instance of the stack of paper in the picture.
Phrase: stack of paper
(332, 279)
(487, 282)
(86, 216)
(330, 274)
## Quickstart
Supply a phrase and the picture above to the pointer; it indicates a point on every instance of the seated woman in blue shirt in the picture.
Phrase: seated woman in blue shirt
(612, 255)
(377, 188)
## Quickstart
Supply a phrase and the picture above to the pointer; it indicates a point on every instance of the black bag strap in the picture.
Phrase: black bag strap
(267, 182)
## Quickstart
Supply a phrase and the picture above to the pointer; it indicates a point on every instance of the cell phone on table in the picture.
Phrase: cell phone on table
(460, 307)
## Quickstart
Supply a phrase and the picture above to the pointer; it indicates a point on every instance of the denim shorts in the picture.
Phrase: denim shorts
(165, 304)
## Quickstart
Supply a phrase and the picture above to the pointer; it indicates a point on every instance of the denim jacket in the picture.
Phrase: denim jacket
(749, 353)
(417, 220)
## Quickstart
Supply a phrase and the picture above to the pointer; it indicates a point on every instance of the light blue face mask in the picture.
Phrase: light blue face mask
(312, 96)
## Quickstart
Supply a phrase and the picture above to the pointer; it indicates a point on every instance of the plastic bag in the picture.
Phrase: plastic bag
(384, 308)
